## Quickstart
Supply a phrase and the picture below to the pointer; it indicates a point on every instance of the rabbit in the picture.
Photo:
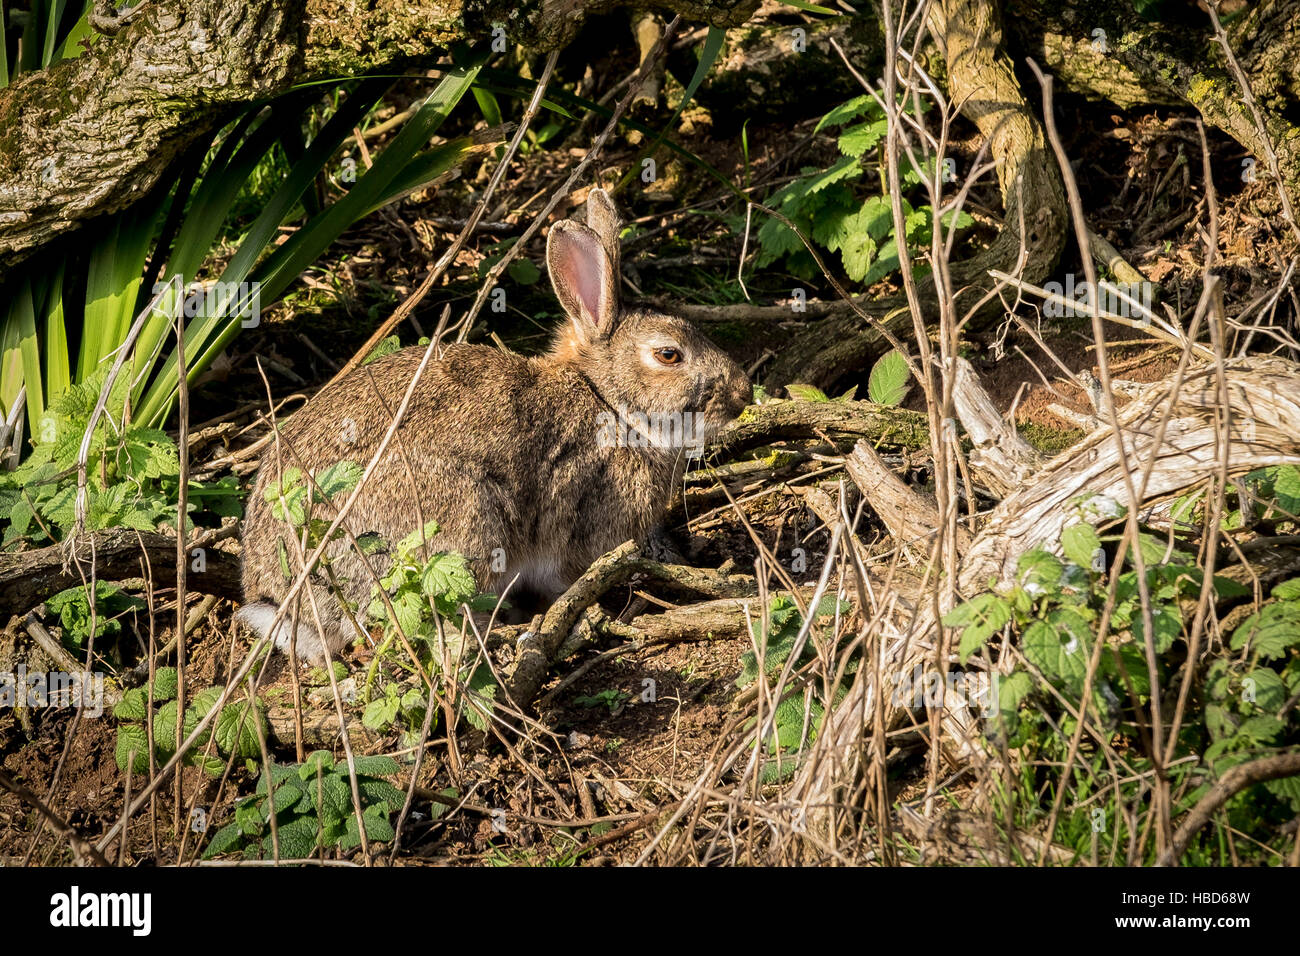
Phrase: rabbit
(532, 467)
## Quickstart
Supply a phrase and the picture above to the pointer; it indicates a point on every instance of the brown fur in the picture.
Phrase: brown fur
(501, 450)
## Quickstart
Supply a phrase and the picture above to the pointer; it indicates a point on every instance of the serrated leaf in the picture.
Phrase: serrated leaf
(889, 380)
(132, 706)
(337, 479)
(1288, 590)
(132, 738)
(1060, 655)
(856, 140)
(806, 393)
(979, 618)
(1039, 572)
(237, 728)
(1271, 631)
(164, 684)
(1080, 543)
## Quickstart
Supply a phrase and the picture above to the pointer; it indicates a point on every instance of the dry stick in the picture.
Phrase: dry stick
(938, 401)
(1238, 778)
(1249, 97)
(446, 259)
(80, 848)
(1131, 531)
(1218, 335)
(182, 444)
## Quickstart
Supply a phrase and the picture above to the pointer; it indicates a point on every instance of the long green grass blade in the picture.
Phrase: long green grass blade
(52, 32)
(11, 357)
(386, 178)
(29, 350)
(4, 46)
(71, 48)
(29, 45)
(114, 274)
(58, 372)
(260, 236)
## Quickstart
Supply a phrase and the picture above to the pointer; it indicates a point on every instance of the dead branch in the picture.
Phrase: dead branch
(761, 424)
(29, 577)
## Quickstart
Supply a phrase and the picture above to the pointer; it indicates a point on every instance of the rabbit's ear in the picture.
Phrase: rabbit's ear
(603, 220)
(583, 278)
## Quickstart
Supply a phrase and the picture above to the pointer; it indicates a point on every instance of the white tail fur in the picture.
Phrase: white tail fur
(258, 618)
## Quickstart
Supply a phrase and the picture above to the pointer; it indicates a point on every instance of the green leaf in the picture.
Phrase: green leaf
(1271, 631)
(856, 140)
(850, 110)
(1056, 649)
(237, 729)
(338, 479)
(447, 576)
(1080, 543)
(889, 381)
(1288, 590)
(1039, 573)
(132, 738)
(132, 706)
(806, 393)
(164, 684)
(980, 618)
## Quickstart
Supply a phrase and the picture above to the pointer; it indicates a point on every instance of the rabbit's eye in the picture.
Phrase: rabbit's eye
(668, 356)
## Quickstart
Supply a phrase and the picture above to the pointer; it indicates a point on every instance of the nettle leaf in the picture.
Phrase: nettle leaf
(417, 539)
(131, 738)
(980, 618)
(1011, 690)
(237, 729)
(337, 479)
(1166, 625)
(133, 705)
(857, 253)
(1286, 488)
(850, 110)
(846, 168)
(1156, 550)
(807, 393)
(856, 140)
(1080, 543)
(1056, 648)
(1133, 661)
(1271, 631)
(1287, 789)
(148, 453)
(1039, 572)
(889, 380)
(1265, 689)
(1288, 590)
(380, 713)
(288, 497)
(164, 684)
